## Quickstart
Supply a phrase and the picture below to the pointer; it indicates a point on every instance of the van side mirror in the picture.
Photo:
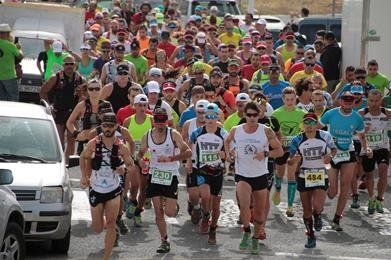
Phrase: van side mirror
(74, 160)
(6, 177)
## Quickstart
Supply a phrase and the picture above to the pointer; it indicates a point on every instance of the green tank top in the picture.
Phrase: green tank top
(286, 55)
(54, 64)
(290, 123)
(387, 104)
(139, 130)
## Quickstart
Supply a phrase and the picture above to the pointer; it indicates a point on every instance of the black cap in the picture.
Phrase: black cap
(135, 45)
(165, 35)
(123, 67)
(329, 35)
(105, 107)
(160, 115)
(109, 118)
(154, 40)
(120, 47)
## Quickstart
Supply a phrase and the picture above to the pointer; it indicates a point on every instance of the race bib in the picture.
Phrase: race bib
(374, 139)
(287, 141)
(162, 177)
(209, 157)
(314, 177)
(341, 156)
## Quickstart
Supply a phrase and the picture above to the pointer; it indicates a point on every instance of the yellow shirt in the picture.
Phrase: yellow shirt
(207, 69)
(234, 38)
(302, 75)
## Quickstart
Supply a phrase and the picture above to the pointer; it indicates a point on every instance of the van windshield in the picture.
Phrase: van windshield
(224, 7)
(31, 47)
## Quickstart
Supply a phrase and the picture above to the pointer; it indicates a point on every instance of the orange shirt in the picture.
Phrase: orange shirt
(144, 43)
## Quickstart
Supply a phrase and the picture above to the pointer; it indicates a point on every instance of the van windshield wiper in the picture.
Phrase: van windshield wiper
(9, 156)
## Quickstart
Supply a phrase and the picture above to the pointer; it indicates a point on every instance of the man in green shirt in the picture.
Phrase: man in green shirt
(139, 61)
(9, 55)
(56, 57)
(233, 120)
(379, 80)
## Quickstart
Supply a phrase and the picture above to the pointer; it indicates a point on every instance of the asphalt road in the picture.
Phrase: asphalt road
(364, 237)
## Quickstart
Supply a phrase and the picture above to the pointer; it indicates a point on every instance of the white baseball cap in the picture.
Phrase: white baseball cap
(261, 21)
(153, 87)
(155, 71)
(141, 98)
(88, 35)
(201, 104)
(57, 47)
(242, 97)
(214, 8)
(201, 37)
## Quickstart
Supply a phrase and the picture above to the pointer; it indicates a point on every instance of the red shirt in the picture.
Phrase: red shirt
(126, 112)
(180, 63)
(168, 47)
(248, 71)
(298, 66)
(89, 15)
(229, 99)
(138, 18)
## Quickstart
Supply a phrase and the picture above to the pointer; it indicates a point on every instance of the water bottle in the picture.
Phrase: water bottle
(146, 169)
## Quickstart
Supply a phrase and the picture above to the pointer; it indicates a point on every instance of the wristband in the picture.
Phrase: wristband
(266, 154)
(172, 158)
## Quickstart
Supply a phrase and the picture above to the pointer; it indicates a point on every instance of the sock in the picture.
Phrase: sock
(247, 229)
(309, 223)
(336, 219)
(291, 192)
(134, 202)
(205, 216)
(212, 228)
(278, 183)
(379, 198)
(137, 212)
(165, 238)
(196, 206)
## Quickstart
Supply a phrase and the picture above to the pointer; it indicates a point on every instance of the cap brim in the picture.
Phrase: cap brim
(168, 88)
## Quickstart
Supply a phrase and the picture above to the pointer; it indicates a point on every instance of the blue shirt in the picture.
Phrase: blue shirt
(342, 127)
(188, 114)
(274, 93)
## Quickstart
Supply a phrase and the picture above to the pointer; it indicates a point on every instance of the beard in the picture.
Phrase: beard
(233, 73)
(108, 134)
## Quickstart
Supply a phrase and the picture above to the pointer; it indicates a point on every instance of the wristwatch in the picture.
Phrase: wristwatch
(75, 134)
(266, 154)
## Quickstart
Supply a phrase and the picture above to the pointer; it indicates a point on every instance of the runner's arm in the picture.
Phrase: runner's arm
(274, 143)
(227, 144)
(46, 87)
(184, 149)
(106, 91)
(75, 115)
(128, 138)
(85, 162)
(125, 153)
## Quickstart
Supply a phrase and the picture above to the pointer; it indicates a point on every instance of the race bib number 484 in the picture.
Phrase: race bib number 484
(314, 177)
(161, 177)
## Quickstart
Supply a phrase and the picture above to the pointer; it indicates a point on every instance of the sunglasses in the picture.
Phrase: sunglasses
(108, 125)
(252, 114)
(347, 98)
(360, 77)
(123, 73)
(69, 63)
(141, 105)
(105, 51)
(310, 122)
(310, 64)
(94, 89)
(210, 96)
(84, 49)
(261, 48)
(300, 53)
(200, 112)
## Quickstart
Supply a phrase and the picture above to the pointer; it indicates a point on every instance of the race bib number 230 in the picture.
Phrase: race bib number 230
(161, 177)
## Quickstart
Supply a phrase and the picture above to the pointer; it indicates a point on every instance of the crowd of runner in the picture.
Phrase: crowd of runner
(148, 94)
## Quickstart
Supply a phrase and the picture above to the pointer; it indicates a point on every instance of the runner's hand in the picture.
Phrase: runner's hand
(83, 135)
(259, 156)
(327, 159)
(84, 182)
(222, 155)
(230, 156)
(120, 170)
(189, 166)
(369, 153)
(163, 159)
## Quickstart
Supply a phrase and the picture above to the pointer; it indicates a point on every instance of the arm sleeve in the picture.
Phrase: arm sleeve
(294, 146)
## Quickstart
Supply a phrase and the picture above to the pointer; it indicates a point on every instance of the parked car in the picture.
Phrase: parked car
(30, 147)
(12, 244)
(187, 7)
(310, 25)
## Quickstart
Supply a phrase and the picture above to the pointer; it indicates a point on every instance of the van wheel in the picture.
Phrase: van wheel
(13, 246)
(61, 246)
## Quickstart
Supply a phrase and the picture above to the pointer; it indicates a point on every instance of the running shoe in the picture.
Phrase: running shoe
(255, 246)
(196, 216)
(371, 206)
(212, 236)
(276, 198)
(336, 226)
(379, 206)
(130, 210)
(164, 247)
(311, 242)
(289, 212)
(123, 229)
(137, 221)
(177, 210)
(126, 203)
(245, 243)
(355, 204)
(318, 223)
(204, 226)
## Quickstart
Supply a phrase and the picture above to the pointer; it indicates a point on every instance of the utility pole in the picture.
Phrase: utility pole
(333, 5)
(250, 6)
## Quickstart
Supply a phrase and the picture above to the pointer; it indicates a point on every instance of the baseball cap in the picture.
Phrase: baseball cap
(135, 45)
(255, 87)
(242, 97)
(198, 67)
(57, 47)
(216, 71)
(104, 107)
(95, 27)
(310, 116)
(234, 62)
(141, 98)
(109, 118)
(199, 8)
(153, 87)
(214, 8)
(356, 89)
(169, 85)
(165, 35)
(105, 11)
(265, 59)
(201, 37)
(121, 31)
(261, 44)
(247, 40)
(261, 21)
(153, 23)
(228, 16)
(201, 104)
(255, 32)
(88, 35)
(212, 111)
(191, 61)
(155, 72)
(120, 47)
(123, 67)
(172, 25)
(309, 47)
(105, 45)
(160, 116)
(85, 46)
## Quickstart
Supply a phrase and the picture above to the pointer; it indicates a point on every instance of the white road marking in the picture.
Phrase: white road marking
(172, 221)
(229, 213)
(380, 222)
(313, 256)
(80, 206)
